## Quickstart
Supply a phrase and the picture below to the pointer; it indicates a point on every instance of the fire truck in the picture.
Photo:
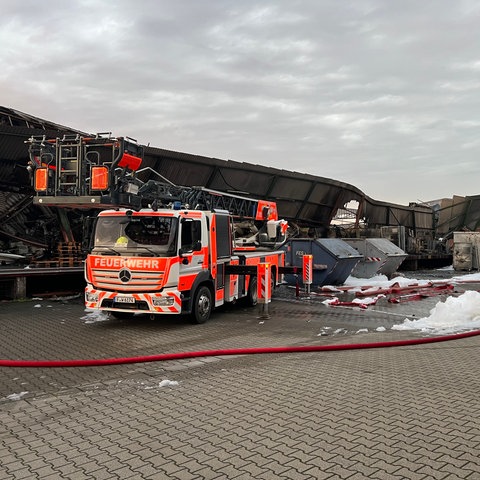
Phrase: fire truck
(155, 247)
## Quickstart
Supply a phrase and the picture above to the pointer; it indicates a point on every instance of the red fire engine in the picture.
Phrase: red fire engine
(156, 248)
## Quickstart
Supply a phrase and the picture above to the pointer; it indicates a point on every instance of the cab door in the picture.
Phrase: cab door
(191, 253)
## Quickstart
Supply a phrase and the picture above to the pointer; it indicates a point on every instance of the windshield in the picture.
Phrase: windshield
(155, 234)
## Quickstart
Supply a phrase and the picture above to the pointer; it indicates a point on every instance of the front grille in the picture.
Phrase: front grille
(139, 281)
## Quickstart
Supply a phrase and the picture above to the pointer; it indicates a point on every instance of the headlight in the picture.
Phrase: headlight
(91, 297)
(163, 301)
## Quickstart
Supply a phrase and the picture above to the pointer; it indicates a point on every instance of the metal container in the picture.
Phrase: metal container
(462, 256)
(380, 256)
(466, 251)
(333, 259)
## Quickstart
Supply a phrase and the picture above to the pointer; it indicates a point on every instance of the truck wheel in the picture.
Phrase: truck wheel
(202, 305)
(252, 296)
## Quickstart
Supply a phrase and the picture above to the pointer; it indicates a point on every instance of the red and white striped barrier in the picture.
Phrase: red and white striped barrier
(307, 271)
(264, 283)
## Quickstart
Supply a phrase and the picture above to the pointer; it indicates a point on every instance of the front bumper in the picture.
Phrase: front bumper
(166, 302)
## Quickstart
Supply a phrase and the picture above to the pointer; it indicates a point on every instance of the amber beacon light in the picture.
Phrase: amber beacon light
(99, 178)
(41, 179)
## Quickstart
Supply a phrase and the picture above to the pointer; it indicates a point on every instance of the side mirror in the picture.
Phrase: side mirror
(196, 247)
(183, 254)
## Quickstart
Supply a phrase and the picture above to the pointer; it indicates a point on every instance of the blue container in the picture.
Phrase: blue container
(333, 259)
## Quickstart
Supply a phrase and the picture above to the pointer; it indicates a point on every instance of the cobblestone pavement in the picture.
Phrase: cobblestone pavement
(385, 413)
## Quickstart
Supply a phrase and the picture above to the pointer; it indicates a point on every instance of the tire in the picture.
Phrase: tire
(252, 295)
(202, 305)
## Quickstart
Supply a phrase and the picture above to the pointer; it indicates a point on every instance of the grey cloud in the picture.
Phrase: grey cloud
(365, 92)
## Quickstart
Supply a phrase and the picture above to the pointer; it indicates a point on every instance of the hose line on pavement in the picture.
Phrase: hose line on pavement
(233, 351)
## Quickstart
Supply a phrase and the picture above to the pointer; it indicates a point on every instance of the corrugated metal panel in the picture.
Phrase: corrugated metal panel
(472, 214)
(300, 197)
(458, 213)
(14, 118)
(20, 221)
(303, 198)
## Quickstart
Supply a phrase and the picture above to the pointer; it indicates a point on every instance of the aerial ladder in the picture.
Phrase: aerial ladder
(101, 172)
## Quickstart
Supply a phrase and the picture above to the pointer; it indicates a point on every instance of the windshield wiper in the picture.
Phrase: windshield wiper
(155, 254)
(115, 252)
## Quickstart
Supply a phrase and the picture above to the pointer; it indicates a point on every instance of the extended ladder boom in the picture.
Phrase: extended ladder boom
(101, 172)
(155, 193)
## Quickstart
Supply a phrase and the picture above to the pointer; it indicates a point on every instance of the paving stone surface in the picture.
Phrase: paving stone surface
(398, 413)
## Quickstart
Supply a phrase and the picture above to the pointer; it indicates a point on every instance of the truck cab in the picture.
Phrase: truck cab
(159, 261)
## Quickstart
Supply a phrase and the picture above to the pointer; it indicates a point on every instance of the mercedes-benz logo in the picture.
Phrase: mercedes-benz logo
(125, 275)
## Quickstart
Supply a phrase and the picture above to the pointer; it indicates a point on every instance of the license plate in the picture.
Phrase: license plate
(124, 300)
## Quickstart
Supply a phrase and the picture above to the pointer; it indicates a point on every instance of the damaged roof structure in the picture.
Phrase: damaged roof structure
(305, 200)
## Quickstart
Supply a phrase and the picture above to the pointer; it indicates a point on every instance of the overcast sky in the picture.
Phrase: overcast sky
(381, 94)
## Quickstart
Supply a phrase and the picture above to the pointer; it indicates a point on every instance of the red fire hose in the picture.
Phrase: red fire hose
(234, 351)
